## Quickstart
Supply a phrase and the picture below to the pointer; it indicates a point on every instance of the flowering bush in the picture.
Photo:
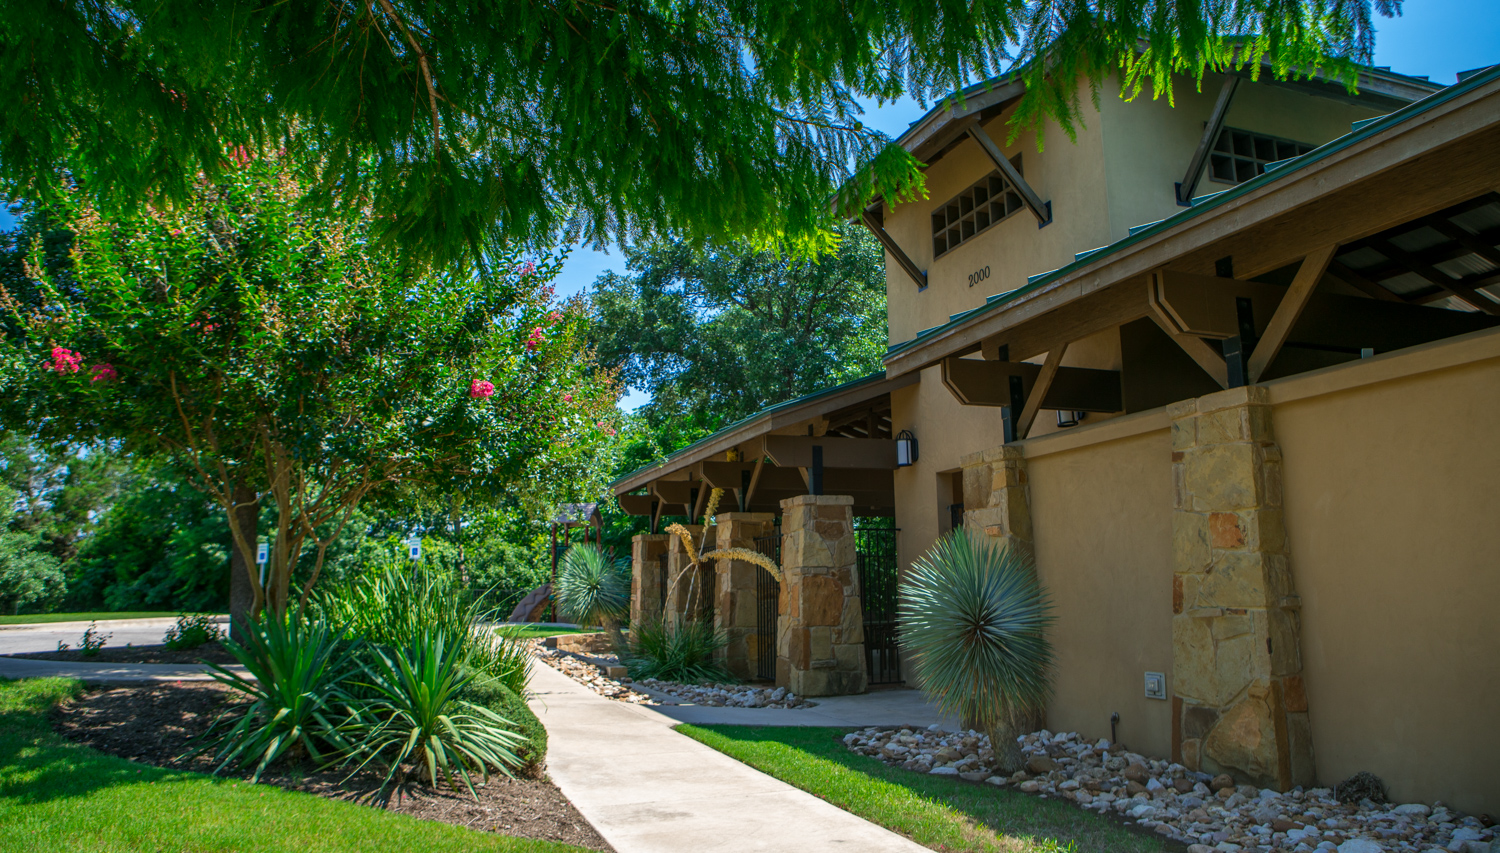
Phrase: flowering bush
(481, 388)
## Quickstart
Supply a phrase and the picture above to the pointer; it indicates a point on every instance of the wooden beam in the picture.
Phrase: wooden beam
(1073, 321)
(1040, 209)
(1211, 130)
(1436, 276)
(1301, 289)
(1039, 390)
(987, 383)
(699, 504)
(795, 451)
(1472, 242)
(760, 462)
(638, 504)
(1199, 351)
(878, 229)
(1354, 279)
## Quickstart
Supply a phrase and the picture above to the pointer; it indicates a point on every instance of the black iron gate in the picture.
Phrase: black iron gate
(767, 608)
(662, 587)
(875, 559)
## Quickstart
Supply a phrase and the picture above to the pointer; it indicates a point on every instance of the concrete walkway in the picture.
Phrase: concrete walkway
(646, 788)
(104, 674)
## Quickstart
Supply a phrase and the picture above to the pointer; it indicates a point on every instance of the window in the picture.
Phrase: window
(1240, 155)
(988, 201)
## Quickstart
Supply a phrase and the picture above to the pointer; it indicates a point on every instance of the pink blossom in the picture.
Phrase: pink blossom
(176, 232)
(241, 156)
(103, 371)
(535, 338)
(64, 360)
(527, 268)
(481, 388)
(567, 398)
(608, 430)
(555, 317)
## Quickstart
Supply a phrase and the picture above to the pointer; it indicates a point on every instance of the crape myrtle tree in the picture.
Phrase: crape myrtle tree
(272, 354)
(464, 125)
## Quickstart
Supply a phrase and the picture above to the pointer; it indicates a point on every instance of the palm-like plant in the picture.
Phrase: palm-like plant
(973, 619)
(593, 588)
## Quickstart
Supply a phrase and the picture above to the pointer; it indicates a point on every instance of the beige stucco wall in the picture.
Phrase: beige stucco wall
(1393, 518)
(1102, 518)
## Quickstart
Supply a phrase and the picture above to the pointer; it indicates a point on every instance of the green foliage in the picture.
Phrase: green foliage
(192, 631)
(973, 618)
(30, 578)
(464, 126)
(416, 715)
(294, 702)
(91, 642)
(593, 586)
(496, 695)
(61, 489)
(503, 658)
(684, 653)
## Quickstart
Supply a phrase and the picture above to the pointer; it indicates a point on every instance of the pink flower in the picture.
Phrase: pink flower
(608, 430)
(103, 372)
(567, 398)
(535, 338)
(64, 360)
(176, 232)
(241, 156)
(481, 388)
(555, 317)
(527, 268)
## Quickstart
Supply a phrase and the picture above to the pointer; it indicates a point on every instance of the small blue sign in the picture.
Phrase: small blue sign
(414, 547)
(262, 553)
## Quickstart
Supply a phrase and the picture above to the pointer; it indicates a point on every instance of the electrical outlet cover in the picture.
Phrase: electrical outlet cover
(1156, 685)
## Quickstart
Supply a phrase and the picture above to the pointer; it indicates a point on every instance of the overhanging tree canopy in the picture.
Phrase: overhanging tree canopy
(468, 124)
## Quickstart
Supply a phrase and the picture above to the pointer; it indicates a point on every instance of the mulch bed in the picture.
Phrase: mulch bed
(161, 725)
(206, 653)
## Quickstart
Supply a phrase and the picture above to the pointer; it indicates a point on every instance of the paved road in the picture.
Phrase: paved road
(647, 788)
(16, 639)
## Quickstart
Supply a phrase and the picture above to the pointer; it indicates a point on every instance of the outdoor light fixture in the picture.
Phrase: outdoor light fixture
(906, 449)
(1068, 419)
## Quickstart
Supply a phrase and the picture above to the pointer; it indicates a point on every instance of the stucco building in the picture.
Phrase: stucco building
(1228, 369)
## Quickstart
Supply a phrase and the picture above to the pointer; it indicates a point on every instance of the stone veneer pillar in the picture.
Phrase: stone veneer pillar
(1239, 705)
(690, 590)
(646, 577)
(995, 500)
(820, 642)
(735, 603)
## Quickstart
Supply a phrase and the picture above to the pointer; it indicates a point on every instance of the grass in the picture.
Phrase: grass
(534, 632)
(57, 795)
(940, 813)
(42, 618)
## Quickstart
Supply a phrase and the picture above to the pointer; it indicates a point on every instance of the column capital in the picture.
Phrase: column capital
(817, 500)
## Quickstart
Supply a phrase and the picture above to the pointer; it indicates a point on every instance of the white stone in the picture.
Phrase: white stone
(1359, 845)
(1412, 809)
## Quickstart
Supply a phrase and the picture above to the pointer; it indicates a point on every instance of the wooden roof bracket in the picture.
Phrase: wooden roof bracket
(1290, 308)
(1042, 210)
(1189, 183)
(1039, 389)
(876, 224)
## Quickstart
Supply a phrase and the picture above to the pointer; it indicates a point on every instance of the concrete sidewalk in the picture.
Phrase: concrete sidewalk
(105, 674)
(646, 788)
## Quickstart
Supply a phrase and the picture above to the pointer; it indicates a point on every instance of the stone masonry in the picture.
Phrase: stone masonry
(690, 589)
(734, 590)
(1239, 705)
(646, 577)
(995, 500)
(820, 643)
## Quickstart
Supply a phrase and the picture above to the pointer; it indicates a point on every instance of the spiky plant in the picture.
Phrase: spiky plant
(593, 587)
(972, 619)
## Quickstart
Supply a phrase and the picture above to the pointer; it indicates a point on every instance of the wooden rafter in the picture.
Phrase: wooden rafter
(1208, 358)
(1358, 281)
(1455, 286)
(1042, 210)
(877, 227)
(1290, 308)
(1039, 389)
(1211, 130)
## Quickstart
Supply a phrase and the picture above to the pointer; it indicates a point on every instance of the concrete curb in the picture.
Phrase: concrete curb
(107, 674)
(163, 622)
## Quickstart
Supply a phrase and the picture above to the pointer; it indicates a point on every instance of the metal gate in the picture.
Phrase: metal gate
(875, 559)
(767, 608)
(662, 587)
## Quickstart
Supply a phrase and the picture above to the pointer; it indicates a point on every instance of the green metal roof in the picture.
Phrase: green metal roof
(1285, 168)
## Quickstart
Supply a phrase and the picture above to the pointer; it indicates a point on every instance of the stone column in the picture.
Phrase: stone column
(1239, 705)
(995, 499)
(734, 589)
(820, 643)
(690, 589)
(646, 577)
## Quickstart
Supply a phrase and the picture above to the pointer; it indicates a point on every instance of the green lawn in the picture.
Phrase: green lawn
(533, 632)
(940, 813)
(61, 796)
(40, 618)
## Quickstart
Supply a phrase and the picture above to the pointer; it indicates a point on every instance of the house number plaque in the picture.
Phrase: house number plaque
(979, 275)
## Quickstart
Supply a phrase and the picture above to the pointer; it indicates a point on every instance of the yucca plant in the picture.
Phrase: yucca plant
(972, 628)
(505, 658)
(294, 702)
(593, 588)
(414, 714)
(683, 653)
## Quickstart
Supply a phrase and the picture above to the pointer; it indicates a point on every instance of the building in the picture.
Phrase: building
(1228, 370)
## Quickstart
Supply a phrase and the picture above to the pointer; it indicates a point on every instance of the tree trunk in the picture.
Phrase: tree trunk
(1008, 756)
(241, 562)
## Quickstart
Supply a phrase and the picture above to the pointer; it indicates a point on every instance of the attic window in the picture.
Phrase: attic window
(991, 199)
(1239, 155)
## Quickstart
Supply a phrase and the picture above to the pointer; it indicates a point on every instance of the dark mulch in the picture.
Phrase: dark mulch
(161, 725)
(208, 652)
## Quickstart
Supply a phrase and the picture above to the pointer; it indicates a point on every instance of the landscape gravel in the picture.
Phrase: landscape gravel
(1205, 812)
(714, 695)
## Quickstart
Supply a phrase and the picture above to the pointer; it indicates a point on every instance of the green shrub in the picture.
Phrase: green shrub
(294, 699)
(416, 715)
(592, 588)
(506, 659)
(684, 653)
(190, 632)
(972, 620)
(493, 694)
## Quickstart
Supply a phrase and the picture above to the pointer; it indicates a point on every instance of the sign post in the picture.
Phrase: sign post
(414, 550)
(262, 556)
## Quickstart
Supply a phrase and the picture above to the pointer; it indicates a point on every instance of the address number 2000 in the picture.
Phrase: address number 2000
(978, 275)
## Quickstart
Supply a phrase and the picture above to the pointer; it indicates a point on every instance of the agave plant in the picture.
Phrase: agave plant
(294, 702)
(593, 588)
(972, 621)
(683, 652)
(415, 714)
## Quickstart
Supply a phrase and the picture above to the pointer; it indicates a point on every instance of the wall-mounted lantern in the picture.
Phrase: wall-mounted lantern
(1068, 419)
(906, 449)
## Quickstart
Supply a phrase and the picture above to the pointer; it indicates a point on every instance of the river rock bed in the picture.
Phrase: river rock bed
(729, 695)
(1207, 813)
(589, 676)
